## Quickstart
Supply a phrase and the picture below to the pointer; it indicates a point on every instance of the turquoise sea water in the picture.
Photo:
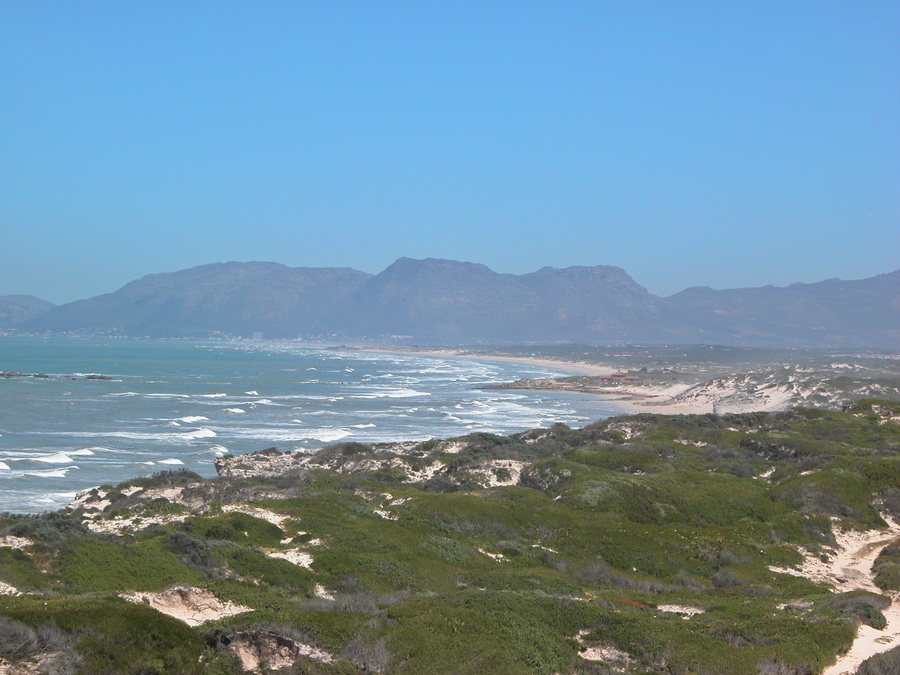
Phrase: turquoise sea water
(174, 404)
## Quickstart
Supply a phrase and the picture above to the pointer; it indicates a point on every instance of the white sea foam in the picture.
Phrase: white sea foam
(218, 450)
(55, 458)
(363, 426)
(57, 498)
(4, 466)
(211, 395)
(252, 393)
(171, 460)
(201, 433)
(84, 452)
(234, 410)
(282, 435)
(265, 401)
(50, 473)
(190, 419)
(394, 393)
(329, 435)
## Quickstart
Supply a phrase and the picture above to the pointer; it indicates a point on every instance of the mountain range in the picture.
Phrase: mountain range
(437, 301)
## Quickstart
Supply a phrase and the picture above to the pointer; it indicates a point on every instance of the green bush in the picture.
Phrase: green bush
(96, 565)
(235, 527)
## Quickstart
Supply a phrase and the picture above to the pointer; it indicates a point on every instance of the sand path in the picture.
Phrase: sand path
(851, 569)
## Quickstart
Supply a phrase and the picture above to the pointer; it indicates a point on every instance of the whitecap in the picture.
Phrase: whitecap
(190, 419)
(4, 466)
(394, 393)
(333, 434)
(265, 401)
(234, 410)
(84, 452)
(218, 450)
(200, 433)
(173, 423)
(211, 395)
(252, 393)
(171, 460)
(363, 426)
(283, 435)
(55, 458)
(50, 473)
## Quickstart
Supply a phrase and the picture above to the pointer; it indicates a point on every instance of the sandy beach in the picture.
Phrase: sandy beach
(629, 398)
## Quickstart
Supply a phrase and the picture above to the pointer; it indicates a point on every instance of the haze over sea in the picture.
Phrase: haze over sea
(176, 404)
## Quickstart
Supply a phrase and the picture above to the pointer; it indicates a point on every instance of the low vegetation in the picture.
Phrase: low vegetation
(638, 544)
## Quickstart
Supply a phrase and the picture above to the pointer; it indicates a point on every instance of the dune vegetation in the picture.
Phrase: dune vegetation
(638, 544)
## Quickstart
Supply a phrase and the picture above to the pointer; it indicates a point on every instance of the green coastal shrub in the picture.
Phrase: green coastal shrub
(238, 528)
(96, 565)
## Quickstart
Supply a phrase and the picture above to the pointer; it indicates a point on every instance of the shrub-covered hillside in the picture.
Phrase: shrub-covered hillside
(639, 544)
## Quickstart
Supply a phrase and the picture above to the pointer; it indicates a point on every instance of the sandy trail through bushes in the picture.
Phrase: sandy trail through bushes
(851, 569)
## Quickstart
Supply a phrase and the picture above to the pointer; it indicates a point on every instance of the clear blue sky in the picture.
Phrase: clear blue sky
(691, 143)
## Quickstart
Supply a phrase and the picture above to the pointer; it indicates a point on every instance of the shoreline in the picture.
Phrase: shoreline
(630, 399)
(574, 367)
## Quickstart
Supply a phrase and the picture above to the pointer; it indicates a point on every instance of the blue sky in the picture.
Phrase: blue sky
(691, 143)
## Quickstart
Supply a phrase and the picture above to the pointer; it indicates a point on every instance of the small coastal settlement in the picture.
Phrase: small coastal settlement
(746, 543)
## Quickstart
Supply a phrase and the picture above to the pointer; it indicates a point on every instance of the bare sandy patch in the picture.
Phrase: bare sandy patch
(26, 667)
(685, 610)
(496, 556)
(193, 606)
(277, 651)
(608, 654)
(256, 512)
(6, 589)
(322, 592)
(10, 541)
(294, 555)
(492, 469)
(128, 524)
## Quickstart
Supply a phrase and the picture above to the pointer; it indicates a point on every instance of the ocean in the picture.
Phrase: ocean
(179, 404)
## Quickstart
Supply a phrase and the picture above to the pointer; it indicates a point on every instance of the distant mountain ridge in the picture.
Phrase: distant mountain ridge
(441, 301)
(16, 309)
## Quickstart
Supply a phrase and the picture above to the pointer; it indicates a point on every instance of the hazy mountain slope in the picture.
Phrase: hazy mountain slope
(450, 301)
(833, 312)
(593, 304)
(240, 298)
(16, 309)
(440, 300)
(446, 301)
